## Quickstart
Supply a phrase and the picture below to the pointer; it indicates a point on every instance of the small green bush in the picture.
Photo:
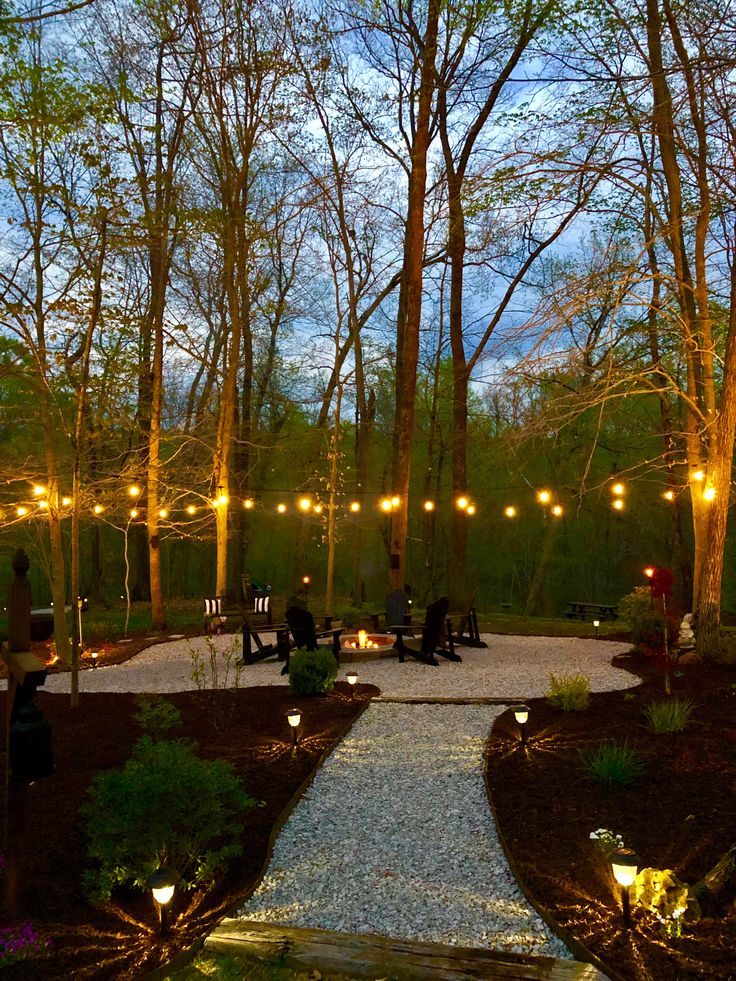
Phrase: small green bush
(569, 692)
(670, 715)
(646, 624)
(165, 807)
(613, 763)
(156, 716)
(98, 631)
(350, 616)
(312, 672)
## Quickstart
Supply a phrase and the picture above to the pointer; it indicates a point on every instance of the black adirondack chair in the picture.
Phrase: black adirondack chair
(300, 624)
(397, 612)
(468, 632)
(436, 637)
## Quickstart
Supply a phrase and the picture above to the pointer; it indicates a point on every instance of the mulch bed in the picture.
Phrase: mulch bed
(121, 940)
(679, 814)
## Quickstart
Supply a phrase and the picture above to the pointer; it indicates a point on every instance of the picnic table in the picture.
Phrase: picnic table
(596, 611)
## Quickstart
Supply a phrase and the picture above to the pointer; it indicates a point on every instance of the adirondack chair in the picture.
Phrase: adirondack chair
(300, 624)
(468, 632)
(436, 637)
(397, 612)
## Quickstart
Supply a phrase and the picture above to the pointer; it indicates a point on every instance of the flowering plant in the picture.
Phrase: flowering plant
(17, 943)
(606, 840)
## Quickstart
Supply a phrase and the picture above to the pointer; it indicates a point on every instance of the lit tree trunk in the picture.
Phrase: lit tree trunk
(410, 303)
(332, 492)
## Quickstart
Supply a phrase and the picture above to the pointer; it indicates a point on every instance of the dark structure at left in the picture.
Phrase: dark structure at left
(29, 738)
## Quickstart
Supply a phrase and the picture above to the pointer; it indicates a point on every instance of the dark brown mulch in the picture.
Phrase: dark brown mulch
(679, 814)
(120, 941)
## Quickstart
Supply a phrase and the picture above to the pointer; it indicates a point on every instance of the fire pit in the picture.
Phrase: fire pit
(364, 645)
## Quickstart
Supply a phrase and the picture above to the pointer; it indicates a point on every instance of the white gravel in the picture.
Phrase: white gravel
(511, 667)
(395, 836)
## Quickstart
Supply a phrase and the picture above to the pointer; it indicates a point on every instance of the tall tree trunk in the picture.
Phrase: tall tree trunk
(410, 303)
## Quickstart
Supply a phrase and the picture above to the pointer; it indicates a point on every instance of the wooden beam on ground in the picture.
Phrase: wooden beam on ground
(371, 956)
(441, 700)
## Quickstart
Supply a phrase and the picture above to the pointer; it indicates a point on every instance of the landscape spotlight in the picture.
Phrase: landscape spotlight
(352, 678)
(625, 864)
(162, 884)
(521, 714)
(295, 717)
(596, 624)
(94, 655)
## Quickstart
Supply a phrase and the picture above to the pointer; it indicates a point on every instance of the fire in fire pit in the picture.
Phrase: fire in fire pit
(363, 642)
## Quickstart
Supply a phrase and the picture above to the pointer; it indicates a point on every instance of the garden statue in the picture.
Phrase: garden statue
(686, 637)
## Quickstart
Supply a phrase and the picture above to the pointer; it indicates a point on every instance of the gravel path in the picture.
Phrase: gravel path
(511, 667)
(395, 837)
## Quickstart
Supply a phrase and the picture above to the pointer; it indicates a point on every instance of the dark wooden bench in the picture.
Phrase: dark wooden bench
(592, 611)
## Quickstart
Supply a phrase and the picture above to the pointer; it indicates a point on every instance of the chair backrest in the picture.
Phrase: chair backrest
(301, 625)
(434, 625)
(213, 606)
(397, 604)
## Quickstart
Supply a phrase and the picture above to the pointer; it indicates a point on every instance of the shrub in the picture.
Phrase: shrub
(218, 673)
(613, 763)
(312, 672)
(607, 841)
(350, 616)
(19, 943)
(670, 715)
(98, 631)
(726, 648)
(569, 692)
(156, 716)
(646, 625)
(165, 807)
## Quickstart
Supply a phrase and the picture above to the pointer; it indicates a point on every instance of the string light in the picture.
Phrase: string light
(544, 496)
(281, 508)
(133, 513)
(461, 502)
(558, 511)
(66, 501)
(618, 504)
(223, 499)
(43, 505)
(669, 495)
(248, 503)
(385, 504)
(470, 509)
(709, 494)
(429, 505)
(134, 490)
(618, 489)
(98, 509)
(305, 503)
(38, 490)
(698, 475)
(510, 511)
(395, 501)
(355, 506)
(191, 509)
(21, 511)
(318, 509)
(163, 513)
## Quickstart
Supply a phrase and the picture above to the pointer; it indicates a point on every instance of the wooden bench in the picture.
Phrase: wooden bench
(593, 611)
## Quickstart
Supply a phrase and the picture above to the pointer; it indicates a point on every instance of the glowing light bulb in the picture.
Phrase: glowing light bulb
(38, 490)
(669, 495)
(699, 475)
(191, 509)
(470, 509)
(133, 513)
(385, 504)
(66, 501)
(305, 503)
(462, 502)
(134, 490)
(429, 505)
(618, 489)
(709, 494)
(618, 504)
(281, 508)
(557, 511)
(223, 499)
(544, 496)
(98, 509)
(248, 503)
(318, 509)
(395, 501)
(43, 505)
(649, 571)
(510, 511)
(163, 513)
(21, 511)
(355, 506)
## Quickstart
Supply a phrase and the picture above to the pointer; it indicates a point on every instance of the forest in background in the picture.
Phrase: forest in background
(255, 253)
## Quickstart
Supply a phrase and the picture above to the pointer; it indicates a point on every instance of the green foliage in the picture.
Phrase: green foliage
(726, 653)
(312, 672)
(646, 625)
(165, 807)
(99, 631)
(569, 692)
(670, 715)
(156, 716)
(612, 763)
(349, 615)
(217, 673)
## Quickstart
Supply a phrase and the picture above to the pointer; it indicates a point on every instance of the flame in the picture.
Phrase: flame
(362, 638)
